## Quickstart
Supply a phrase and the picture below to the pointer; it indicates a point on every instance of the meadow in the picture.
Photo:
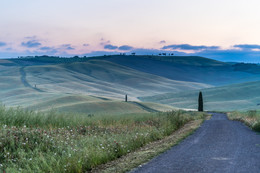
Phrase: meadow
(54, 142)
(251, 118)
(93, 84)
(241, 97)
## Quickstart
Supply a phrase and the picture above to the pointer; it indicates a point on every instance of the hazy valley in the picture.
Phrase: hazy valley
(99, 84)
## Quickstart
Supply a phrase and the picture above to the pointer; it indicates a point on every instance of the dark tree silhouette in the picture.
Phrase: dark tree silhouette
(126, 98)
(200, 106)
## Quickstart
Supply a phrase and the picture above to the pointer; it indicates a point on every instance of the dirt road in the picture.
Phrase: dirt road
(219, 145)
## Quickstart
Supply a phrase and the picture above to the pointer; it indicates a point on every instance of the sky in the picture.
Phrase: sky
(223, 30)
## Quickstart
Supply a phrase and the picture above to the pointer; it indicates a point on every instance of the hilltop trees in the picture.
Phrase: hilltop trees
(200, 104)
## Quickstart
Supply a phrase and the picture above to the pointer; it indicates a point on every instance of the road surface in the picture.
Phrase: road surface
(219, 145)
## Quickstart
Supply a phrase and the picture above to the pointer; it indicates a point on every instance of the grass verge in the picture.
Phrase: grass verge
(250, 118)
(52, 142)
(144, 154)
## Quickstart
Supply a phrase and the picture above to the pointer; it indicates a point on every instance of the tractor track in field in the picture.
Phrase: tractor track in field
(25, 82)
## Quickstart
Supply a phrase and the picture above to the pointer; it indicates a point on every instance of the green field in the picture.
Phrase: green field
(92, 86)
(99, 84)
(52, 142)
(232, 97)
(72, 115)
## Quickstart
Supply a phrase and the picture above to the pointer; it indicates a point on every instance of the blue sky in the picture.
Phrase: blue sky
(224, 30)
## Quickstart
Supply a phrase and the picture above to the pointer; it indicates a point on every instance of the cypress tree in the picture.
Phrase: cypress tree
(126, 98)
(200, 107)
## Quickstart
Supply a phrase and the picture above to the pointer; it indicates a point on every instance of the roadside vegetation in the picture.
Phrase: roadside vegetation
(250, 118)
(52, 142)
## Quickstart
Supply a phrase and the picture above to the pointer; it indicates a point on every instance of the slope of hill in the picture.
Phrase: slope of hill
(186, 68)
(99, 84)
(244, 96)
(103, 85)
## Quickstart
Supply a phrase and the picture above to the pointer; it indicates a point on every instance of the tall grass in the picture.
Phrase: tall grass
(251, 118)
(52, 142)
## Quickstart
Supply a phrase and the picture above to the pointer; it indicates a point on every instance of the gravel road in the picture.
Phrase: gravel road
(219, 145)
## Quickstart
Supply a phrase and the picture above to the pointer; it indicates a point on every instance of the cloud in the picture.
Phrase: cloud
(31, 37)
(189, 47)
(67, 47)
(31, 44)
(110, 47)
(101, 53)
(46, 48)
(2, 44)
(120, 48)
(231, 55)
(9, 49)
(247, 46)
(103, 42)
(125, 47)
(162, 42)
(86, 45)
(70, 48)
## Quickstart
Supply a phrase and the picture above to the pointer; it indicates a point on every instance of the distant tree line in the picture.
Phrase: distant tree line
(165, 54)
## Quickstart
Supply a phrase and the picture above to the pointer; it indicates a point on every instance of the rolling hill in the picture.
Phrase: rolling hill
(190, 68)
(94, 86)
(99, 84)
(244, 96)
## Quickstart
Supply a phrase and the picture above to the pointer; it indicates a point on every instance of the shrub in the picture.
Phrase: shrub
(256, 127)
(251, 113)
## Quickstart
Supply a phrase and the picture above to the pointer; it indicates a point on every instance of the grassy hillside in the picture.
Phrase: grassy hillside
(51, 142)
(190, 68)
(95, 86)
(94, 105)
(99, 84)
(243, 96)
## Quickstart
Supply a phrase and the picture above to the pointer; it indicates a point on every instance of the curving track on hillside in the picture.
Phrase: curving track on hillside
(25, 82)
(219, 145)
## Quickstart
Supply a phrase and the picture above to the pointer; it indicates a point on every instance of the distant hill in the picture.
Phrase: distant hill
(38, 86)
(99, 84)
(244, 96)
(189, 68)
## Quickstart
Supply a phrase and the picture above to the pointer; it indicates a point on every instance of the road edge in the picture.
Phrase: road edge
(149, 151)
